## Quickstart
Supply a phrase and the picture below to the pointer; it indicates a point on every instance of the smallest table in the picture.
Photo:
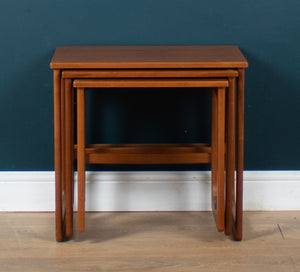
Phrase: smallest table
(141, 62)
(156, 153)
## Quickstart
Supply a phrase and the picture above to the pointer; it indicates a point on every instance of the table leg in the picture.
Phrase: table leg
(240, 155)
(58, 155)
(69, 160)
(214, 146)
(218, 156)
(221, 158)
(63, 161)
(230, 153)
(73, 154)
(81, 157)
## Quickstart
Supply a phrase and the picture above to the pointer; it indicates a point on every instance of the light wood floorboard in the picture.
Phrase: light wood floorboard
(151, 241)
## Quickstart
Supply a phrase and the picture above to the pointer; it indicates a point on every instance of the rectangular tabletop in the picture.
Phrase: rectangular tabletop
(147, 57)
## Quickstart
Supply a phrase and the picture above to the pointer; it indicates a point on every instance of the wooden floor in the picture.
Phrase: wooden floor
(165, 241)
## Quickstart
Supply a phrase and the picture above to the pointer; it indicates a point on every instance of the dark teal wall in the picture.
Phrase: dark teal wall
(266, 31)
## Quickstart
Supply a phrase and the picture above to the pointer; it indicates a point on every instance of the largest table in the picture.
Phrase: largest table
(136, 62)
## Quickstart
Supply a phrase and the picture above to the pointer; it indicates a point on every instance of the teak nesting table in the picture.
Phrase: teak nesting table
(220, 68)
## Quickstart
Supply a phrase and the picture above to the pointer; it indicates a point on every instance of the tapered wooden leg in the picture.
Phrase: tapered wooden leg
(240, 155)
(58, 155)
(81, 157)
(230, 153)
(68, 157)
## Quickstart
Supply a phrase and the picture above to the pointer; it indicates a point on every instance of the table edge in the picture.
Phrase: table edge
(147, 65)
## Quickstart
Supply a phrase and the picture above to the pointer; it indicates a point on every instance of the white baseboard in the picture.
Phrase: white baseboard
(149, 191)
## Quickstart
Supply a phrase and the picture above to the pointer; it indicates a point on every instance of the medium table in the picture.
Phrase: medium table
(147, 62)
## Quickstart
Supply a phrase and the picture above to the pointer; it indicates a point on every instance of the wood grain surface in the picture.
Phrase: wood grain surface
(147, 57)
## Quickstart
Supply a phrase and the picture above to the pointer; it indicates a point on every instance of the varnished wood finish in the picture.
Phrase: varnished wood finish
(81, 161)
(63, 157)
(142, 148)
(151, 241)
(58, 155)
(230, 153)
(69, 157)
(72, 155)
(220, 158)
(148, 154)
(240, 155)
(154, 154)
(149, 83)
(148, 73)
(147, 57)
(214, 153)
(146, 62)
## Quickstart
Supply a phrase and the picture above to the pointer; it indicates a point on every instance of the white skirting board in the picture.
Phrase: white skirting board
(149, 191)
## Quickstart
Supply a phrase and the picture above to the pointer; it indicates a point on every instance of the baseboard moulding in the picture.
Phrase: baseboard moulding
(148, 191)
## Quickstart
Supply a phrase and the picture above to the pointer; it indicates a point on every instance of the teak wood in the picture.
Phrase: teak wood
(126, 65)
(147, 57)
(156, 154)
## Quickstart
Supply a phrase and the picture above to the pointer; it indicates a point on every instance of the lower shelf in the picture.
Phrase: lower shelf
(147, 153)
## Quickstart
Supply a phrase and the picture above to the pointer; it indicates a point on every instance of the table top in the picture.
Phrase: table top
(147, 57)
